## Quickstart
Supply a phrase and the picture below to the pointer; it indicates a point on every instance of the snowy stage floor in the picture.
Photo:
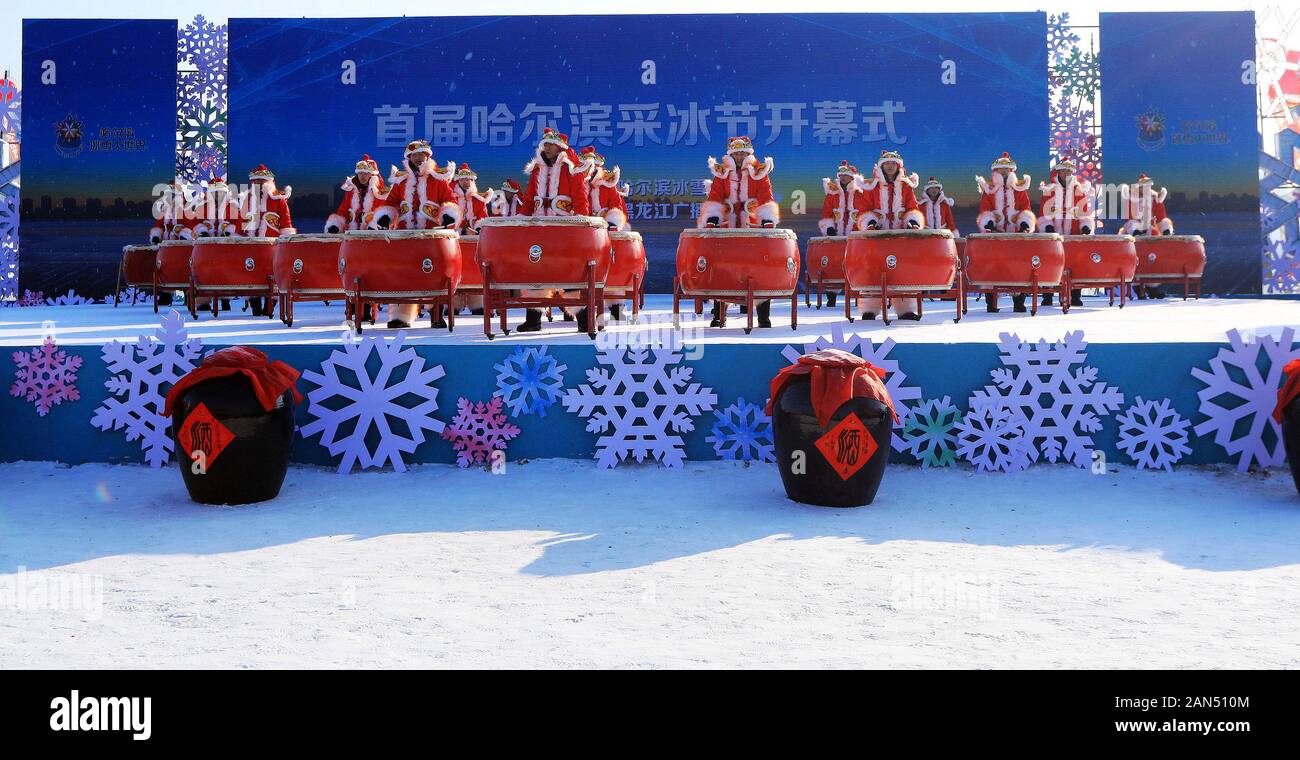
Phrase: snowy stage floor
(1053, 567)
(1171, 320)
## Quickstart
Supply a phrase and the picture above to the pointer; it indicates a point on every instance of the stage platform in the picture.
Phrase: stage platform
(1149, 349)
(1171, 320)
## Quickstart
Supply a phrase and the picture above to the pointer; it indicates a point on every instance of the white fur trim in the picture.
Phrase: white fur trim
(616, 217)
(337, 222)
(1164, 192)
(155, 235)
(913, 215)
(1166, 226)
(988, 216)
(826, 226)
(770, 211)
(1023, 217)
(712, 208)
(983, 185)
(865, 220)
(383, 213)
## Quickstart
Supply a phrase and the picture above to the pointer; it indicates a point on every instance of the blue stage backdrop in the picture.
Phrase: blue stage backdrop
(99, 107)
(656, 94)
(1176, 105)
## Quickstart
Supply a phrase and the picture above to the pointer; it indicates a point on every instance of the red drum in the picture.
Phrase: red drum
(1100, 261)
(543, 253)
(401, 266)
(738, 266)
(825, 264)
(306, 268)
(231, 266)
(471, 276)
(898, 263)
(1016, 262)
(172, 267)
(136, 269)
(1164, 259)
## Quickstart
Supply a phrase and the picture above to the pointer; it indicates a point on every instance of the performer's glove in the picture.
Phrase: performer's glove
(912, 224)
(712, 221)
(155, 239)
(613, 227)
(1086, 230)
(448, 221)
(872, 225)
(205, 234)
(332, 229)
(1049, 228)
(989, 226)
(767, 225)
(383, 222)
(1024, 227)
(1139, 232)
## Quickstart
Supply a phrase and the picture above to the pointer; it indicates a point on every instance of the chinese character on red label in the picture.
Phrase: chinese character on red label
(847, 446)
(201, 431)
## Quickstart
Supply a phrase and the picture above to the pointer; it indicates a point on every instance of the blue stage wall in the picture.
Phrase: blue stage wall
(1150, 370)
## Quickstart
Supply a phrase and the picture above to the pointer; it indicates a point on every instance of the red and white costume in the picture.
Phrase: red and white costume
(220, 211)
(472, 206)
(937, 212)
(363, 208)
(1144, 208)
(265, 211)
(843, 205)
(558, 188)
(419, 199)
(1066, 208)
(605, 193)
(1004, 201)
(890, 204)
(508, 202)
(740, 196)
(169, 215)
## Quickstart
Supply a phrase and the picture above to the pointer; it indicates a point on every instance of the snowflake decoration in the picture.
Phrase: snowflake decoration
(69, 299)
(929, 433)
(369, 411)
(743, 433)
(203, 126)
(28, 298)
(1060, 408)
(895, 378)
(8, 272)
(479, 429)
(1281, 266)
(140, 376)
(1246, 427)
(994, 440)
(9, 218)
(11, 108)
(636, 400)
(1070, 125)
(1153, 434)
(1078, 74)
(47, 376)
(529, 380)
(209, 162)
(1060, 36)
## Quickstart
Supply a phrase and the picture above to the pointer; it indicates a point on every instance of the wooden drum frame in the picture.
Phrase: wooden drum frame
(405, 259)
(737, 265)
(878, 264)
(1189, 264)
(252, 255)
(990, 270)
(305, 266)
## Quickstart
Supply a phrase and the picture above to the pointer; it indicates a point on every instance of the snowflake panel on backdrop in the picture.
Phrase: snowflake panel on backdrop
(479, 429)
(1061, 406)
(994, 440)
(377, 419)
(1153, 434)
(529, 380)
(1243, 423)
(69, 299)
(141, 374)
(930, 432)
(640, 402)
(45, 376)
(743, 433)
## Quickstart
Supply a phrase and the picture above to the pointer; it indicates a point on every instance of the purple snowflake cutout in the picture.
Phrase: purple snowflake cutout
(47, 376)
(529, 380)
(1153, 434)
(1244, 425)
(479, 430)
(743, 433)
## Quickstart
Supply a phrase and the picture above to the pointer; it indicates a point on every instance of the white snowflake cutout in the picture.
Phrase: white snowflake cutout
(994, 440)
(1153, 434)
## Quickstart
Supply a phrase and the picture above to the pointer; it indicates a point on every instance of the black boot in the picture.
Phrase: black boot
(1076, 297)
(868, 316)
(830, 299)
(1018, 303)
(616, 312)
(476, 312)
(717, 315)
(567, 316)
(583, 321)
(397, 324)
(764, 310)
(910, 315)
(225, 304)
(532, 321)
(991, 303)
(440, 321)
(1047, 298)
(255, 306)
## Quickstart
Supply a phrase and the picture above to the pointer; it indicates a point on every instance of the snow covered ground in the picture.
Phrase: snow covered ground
(1168, 321)
(556, 563)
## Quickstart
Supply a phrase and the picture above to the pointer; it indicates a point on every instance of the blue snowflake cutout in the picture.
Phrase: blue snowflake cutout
(368, 411)
(1153, 434)
(743, 433)
(930, 432)
(529, 380)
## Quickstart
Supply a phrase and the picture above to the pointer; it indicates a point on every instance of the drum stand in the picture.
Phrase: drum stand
(501, 301)
(852, 294)
(634, 293)
(289, 296)
(747, 300)
(1120, 284)
(1034, 291)
(1187, 284)
(433, 304)
(821, 289)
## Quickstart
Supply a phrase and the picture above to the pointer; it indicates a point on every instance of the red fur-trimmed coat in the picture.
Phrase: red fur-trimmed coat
(271, 216)
(502, 206)
(1067, 208)
(890, 205)
(740, 197)
(938, 213)
(472, 206)
(362, 208)
(1145, 211)
(607, 198)
(419, 200)
(556, 189)
(1005, 203)
(842, 207)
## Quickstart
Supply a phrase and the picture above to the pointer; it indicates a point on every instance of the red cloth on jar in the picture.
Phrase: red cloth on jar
(1289, 390)
(270, 379)
(836, 377)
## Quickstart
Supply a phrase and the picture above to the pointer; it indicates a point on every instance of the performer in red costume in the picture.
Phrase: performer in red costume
(470, 203)
(364, 199)
(1144, 212)
(936, 206)
(605, 191)
(1005, 207)
(740, 196)
(1066, 208)
(220, 211)
(508, 202)
(169, 213)
(420, 196)
(890, 204)
(844, 202)
(557, 186)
